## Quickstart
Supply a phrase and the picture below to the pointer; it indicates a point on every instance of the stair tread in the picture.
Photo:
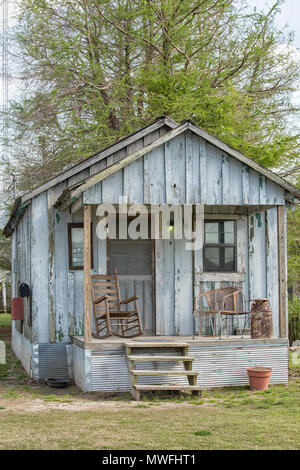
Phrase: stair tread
(159, 358)
(163, 372)
(156, 345)
(167, 387)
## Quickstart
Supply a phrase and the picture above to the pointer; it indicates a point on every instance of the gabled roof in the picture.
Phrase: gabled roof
(15, 215)
(157, 124)
(73, 192)
(186, 125)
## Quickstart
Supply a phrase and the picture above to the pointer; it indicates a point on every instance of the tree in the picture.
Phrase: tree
(293, 249)
(96, 70)
(4, 253)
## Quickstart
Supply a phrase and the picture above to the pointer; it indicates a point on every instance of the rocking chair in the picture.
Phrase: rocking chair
(109, 317)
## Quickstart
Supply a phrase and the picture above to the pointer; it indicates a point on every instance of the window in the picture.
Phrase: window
(130, 257)
(75, 237)
(220, 246)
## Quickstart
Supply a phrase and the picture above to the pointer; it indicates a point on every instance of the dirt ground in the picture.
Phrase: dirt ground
(20, 393)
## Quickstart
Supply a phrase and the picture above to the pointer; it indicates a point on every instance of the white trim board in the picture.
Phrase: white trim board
(100, 156)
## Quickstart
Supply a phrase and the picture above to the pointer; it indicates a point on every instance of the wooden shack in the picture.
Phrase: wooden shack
(164, 163)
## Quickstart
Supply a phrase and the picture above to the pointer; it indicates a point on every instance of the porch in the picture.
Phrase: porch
(169, 268)
(103, 365)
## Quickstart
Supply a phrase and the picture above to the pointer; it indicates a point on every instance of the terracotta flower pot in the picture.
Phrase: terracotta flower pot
(259, 377)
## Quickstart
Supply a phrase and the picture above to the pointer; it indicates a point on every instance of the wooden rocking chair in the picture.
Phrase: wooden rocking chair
(109, 317)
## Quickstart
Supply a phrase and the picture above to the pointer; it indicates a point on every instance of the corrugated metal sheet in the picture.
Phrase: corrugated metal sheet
(227, 366)
(23, 350)
(110, 371)
(217, 366)
(78, 367)
(53, 360)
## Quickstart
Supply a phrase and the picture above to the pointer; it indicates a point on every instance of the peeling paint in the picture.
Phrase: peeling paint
(267, 235)
(258, 218)
(251, 234)
(51, 276)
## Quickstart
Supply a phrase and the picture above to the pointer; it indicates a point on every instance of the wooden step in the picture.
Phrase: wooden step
(137, 389)
(162, 344)
(160, 358)
(145, 388)
(163, 372)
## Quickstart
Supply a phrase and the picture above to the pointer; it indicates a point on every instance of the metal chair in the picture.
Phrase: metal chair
(220, 304)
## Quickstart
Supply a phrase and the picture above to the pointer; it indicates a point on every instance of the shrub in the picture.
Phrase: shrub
(294, 319)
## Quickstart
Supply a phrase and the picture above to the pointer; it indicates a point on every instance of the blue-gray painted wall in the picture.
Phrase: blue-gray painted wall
(185, 170)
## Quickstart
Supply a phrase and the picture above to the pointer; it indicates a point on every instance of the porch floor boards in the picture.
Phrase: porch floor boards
(114, 342)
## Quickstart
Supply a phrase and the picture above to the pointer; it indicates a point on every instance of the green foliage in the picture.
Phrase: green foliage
(294, 319)
(96, 70)
(5, 320)
(293, 246)
(4, 252)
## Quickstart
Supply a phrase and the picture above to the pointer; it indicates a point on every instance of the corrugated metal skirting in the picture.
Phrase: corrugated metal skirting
(78, 367)
(227, 366)
(217, 366)
(51, 360)
(109, 371)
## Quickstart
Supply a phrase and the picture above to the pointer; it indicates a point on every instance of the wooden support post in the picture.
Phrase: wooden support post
(282, 281)
(87, 272)
(4, 296)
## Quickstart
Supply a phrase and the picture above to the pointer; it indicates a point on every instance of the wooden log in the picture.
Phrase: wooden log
(282, 281)
(87, 272)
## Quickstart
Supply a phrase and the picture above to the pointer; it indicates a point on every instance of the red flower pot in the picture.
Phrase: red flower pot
(259, 377)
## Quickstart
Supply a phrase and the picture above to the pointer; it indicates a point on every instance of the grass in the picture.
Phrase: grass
(229, 418)
(5, 320)
(266, 421)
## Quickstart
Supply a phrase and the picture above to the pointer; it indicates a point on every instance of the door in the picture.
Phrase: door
(134, 260)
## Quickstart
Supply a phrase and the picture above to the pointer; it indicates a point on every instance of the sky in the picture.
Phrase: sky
(289, 15)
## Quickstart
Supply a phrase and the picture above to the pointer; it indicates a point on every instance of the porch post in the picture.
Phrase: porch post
(282, 281)
(87, 272)
(4, 296)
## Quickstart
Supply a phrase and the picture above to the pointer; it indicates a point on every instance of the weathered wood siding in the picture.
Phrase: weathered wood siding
(40, 269)
(186, 170)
